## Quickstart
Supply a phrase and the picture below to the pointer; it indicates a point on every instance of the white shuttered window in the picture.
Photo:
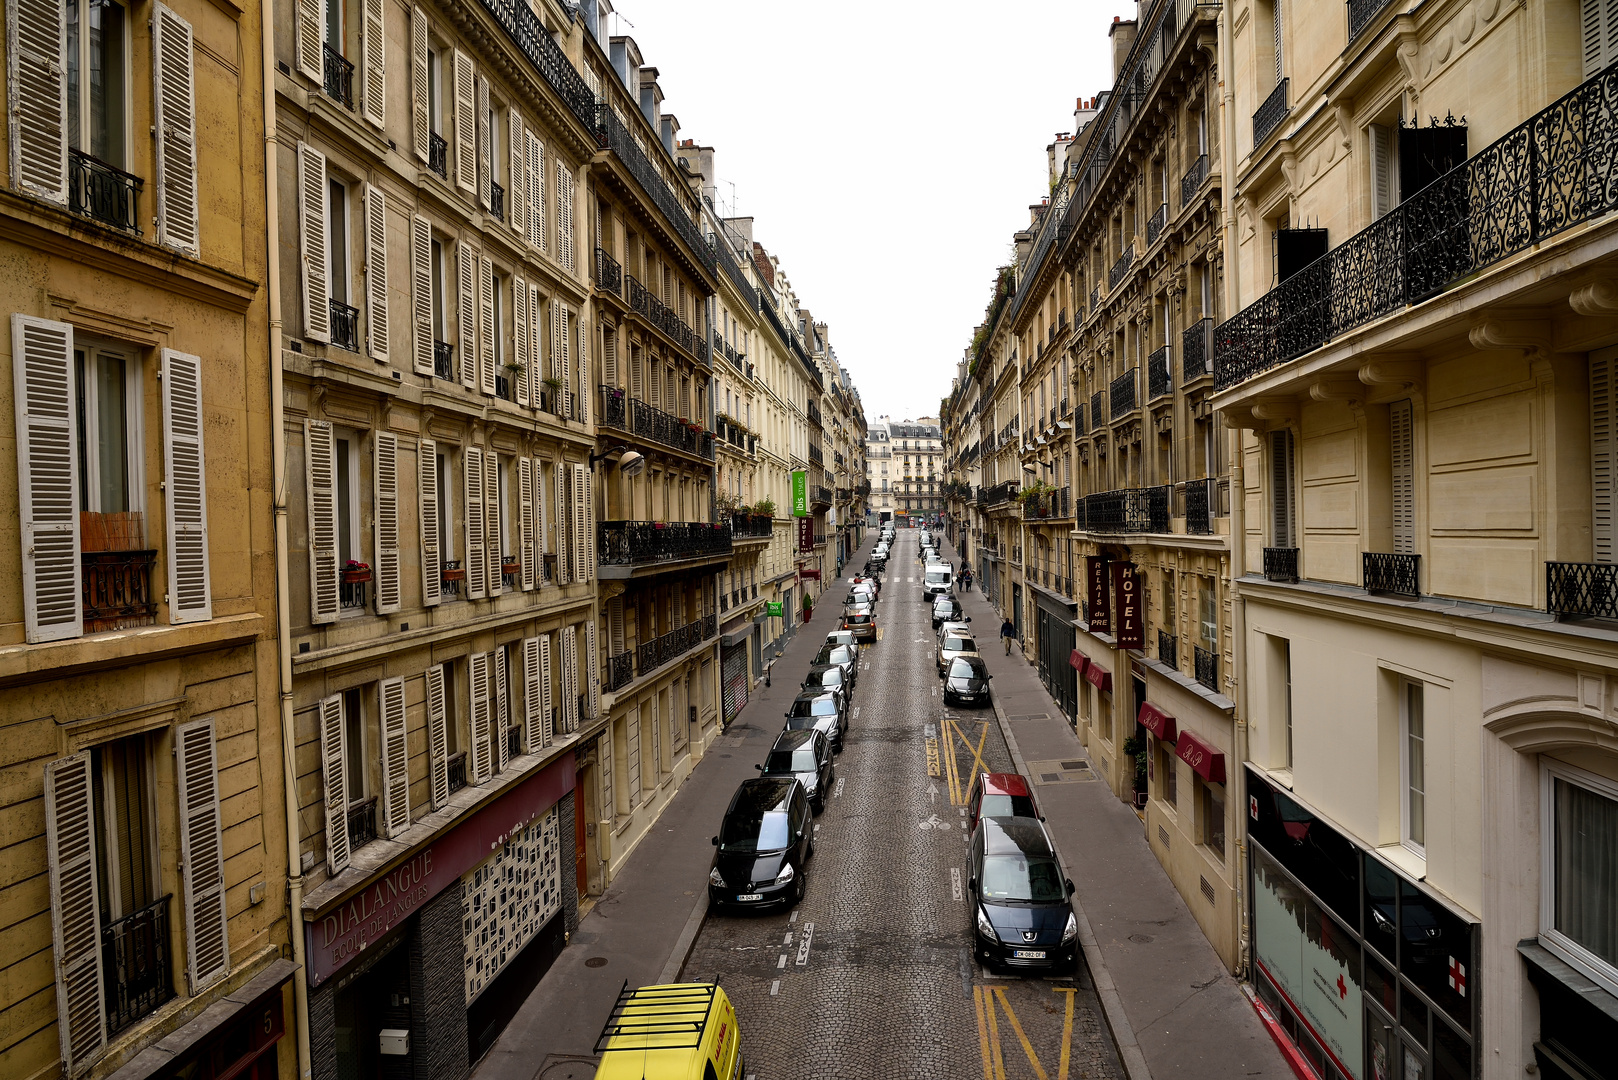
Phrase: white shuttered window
(1402, 457)
(334, 775)
(312, 218)
(373, 50)
(437, 736)
(1599, 30)
(202, 854)
(45, 390)
(395, 758)
(376, 272)
(432, 571)
(36, 44)
(421, 294)
(321, 481)
(525, 521)
(419, 76)
(1603, 457)
(185, 489)
(174, 118)
(75, 909)
(533, 719)
(385, 456)
(466, 166)
(491, 519)
(480, 763)
(466, 311)
(476, 573)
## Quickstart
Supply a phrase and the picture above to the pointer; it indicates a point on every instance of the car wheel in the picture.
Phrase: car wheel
(797, 894)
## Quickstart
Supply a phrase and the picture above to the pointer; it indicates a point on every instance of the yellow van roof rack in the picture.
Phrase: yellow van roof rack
(659, 1017)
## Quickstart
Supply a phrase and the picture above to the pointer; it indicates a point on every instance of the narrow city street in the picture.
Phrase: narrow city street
(875, 966)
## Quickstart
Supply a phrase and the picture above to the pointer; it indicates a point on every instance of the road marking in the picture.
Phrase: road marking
(1027, 1047)
(933, 822)
(837, 794)
(994, 1034)
(794, 917)
(856, 713)
(1067, 1030)
(788, 941)
(932, 756)
(983, 1033)
(932, 793)
(803, 944)
(782, 962)
(775, 987)
(955, 882)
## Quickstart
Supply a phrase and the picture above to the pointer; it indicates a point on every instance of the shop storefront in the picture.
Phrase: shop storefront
(1370, 974)
(236, 1039)
(418, 970)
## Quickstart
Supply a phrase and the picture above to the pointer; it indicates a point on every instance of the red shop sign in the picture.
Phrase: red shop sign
(806, 534)
(1204, 760)
(1095, 576)
(1078, 661)
(1097, 677)
(1157, 721)
(1131, 628)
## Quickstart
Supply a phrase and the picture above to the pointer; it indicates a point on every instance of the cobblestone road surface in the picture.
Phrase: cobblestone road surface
(872, 974)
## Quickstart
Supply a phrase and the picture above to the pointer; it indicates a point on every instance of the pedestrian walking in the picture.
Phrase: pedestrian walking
(1008, 633)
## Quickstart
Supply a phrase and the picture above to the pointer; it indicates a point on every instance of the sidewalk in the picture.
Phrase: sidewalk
(1183, 1013)
(643, 926)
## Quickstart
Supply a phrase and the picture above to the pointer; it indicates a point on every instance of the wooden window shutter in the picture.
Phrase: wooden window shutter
(437, 736)
(491, 519)
(533, 723)
(75, 907)
(385, 459)
(604, 754)
(555, 369)
(501, 710)
(312, 219)
(534, 183)
(373, 54)
(47, 475)
(536, 354)
(466, 311)
(466, 144)
(395, 758)
(632, 759)
(570, 679)
(320, 450)
(1281, 489)
(547, 706)
(485, 144)
(376, 270)
(542, 524)
(311, 36)
(615, 626)
(592, 669)
(564, 216)
(36, 43)
(516, 197)
(609, 356)
(637, 383)
(432, 569)
(476, 574)
(421, 293)
(581, 523)
(174, 116)
(1599, 30)
(657, 736)
(519, 325)
(564, 487)
(480, 764)
(525, 522)
(185, 489)
(581, 367)
(333, 755)
(1382, 194)
(202, 854)
(486, 327)
(419, 77)
(1404, 478)
(1603, 458)
(566, 373)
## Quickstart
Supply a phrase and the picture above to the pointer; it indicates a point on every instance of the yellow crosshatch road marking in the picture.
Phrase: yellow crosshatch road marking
(932, 756)
(951, 781)
(994, 1037)
(1027, 1047)
(960, 787)
(994, 1064)
(1067, 1030)
(983, 1033)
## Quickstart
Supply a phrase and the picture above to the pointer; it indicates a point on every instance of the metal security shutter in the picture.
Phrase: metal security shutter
(385, 455)
(320, 452)
(36, 46)
(581, 523)
(547, 706)
(485, 149)
(501, 711)
(1281, 517)
(564, 485)
(465, 72)
(491, 519)
(437, 736)
(185, 489)
(525, 521)
(516, 162)
(312, 210)
(202, 854)
(311, 35)
(75, 909)
(733, 670)
(333, 753)
(533, 719)
(534, 184)
(421, 294)
(472, 472)
(480, 763)
(486, 327)
(376, 269)
(592, 671)
(373, 57)
(432, 568)
(1603, 457)
(466, 311)
(174, 116)
(419, 76)
(519, 322)
(1402, 457)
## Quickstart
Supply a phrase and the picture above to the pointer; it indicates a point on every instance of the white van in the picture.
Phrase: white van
(936, 579)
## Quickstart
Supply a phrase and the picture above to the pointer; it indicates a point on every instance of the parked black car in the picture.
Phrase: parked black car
(764, 841)
(846, 657)
(822, 709)
(967, 682)
(945, 609)
(1021, 913)
(807, 756)
(829, 677)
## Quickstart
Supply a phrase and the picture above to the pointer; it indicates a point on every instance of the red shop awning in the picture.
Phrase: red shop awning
(812, 574)
(1079, 661)
(1099, 678)
(1204, 760)
(1157, 721)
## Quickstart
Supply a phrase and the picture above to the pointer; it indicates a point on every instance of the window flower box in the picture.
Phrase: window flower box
(356, 572)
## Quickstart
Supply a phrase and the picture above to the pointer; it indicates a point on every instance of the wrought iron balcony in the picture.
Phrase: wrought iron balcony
(339, 79)
(660, 650)
(1095, 299)
(999, 493)
(345, 325)
(497, 201)
(1154, 224)
(1385, 572)
(646, 543)
(1281, 564)
(817, 456)
(1360, 14)
(1588, 590)
(1193, 180)
(620, 670)
(116, 589)
(1123, 394)
(1168, 649)
(135, 964)
(102, 192)
(361, 823)
(456, 767)
(1128, 510)
(438, 154)
(443, 360)
(1196, 348)
(1098, 410)
(1271, 113)
(1207, 664)
(451, 577)
(614, 408)
(1199, 497)
(814, 414)
(609, 275)
(654, 425)
(351, 595)
(820, 496)
(649, 307)
(1080, 426)
(1121, 267)
(535, 42)
(752, 528)
(1159, 375)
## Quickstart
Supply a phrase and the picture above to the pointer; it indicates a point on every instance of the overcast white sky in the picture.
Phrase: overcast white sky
(887, 151)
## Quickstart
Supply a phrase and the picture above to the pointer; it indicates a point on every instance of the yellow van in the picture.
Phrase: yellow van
(681, 1031)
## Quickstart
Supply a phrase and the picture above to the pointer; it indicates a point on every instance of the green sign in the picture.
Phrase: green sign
(773, 607)
(800, 494)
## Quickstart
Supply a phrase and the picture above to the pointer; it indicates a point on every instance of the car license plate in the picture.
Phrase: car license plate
(1029, 954)
(741, 897)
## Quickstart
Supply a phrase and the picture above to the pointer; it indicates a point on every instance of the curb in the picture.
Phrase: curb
(1112, 1005)
(686, 941)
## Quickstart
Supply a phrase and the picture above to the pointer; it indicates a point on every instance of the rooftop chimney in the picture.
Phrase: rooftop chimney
(651, 96)
(1122, 32)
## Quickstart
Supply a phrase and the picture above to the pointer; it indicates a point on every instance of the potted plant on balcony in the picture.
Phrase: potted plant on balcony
(356, 572)
(764, 508)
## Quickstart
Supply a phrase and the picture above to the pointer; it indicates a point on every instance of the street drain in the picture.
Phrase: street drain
(596, 961)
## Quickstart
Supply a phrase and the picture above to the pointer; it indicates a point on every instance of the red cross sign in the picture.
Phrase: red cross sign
(1457, 976)
(1342, 987)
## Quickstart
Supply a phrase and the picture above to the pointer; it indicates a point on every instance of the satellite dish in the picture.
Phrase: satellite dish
(631, 464)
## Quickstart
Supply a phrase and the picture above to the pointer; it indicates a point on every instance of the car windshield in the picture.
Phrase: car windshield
(788, 761)
(960, 644)
(943, 603)
(962, 669)
(829, 677)
(747, 832)
(837, 654)
(1017, 877)
(820, 706)
(937, 577)
(1006, 806)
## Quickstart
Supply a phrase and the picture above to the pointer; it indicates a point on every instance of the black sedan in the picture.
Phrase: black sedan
(807, 756)
(824, 710)
(1021, 913)
(845, 656)
(967, 682)
(764, 842)
(945, 609)
(829, 677)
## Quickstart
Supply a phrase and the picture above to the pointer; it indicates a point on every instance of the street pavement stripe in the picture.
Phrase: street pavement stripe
(775, 987)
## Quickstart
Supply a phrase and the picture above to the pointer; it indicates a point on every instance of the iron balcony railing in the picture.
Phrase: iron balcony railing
(643, 543)
(620, 670)
(1360, 14)
(1080, 427)
(1121, 267)
(820, 496)
(1098, 410)
(339, 77)
(1199, 506)
(361, 823)
(1193, 180)
(443, 360)
(351, 595)
(497, 201)
(1546, 175)
(730, 268)
(653, 310)
(438, 154)
(1207, 664)
(999, 493)
(1128, 510)
(102, 192)
(609, 275)
(1168, 649)
(116, 589)
(752, 528)
(645, 422)
(135, 964)
(535, 42)
(1385, 572)
(1588, 590)
(660, 650)
(612, 135)
(1123, 395)
(1196, 349)
(614, 408)
(1271, 113)
(452, 576)
(1159, 374)
(345, 325)
(816, 455)
(1281, 564)
(1154, 224)
(457, 771)
(814, 413)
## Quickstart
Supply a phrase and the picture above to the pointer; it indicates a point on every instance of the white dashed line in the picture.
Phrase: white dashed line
(775, 987)
(794, 917)
(782, 962)
(955, 882)
(856, 713)
(788, 940)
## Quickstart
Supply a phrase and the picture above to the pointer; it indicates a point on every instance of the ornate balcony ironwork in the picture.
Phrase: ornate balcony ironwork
(1159, 376)
(1193, 180)
(653, 654)
(339, 77)
(345, 325)
(1128, 510)
(1360, 14)
(814, 414)
(1121, 267)
(1199, 496)
(1207, 664)
(1098, 410)
(655, 425)
(1123, 395)
(820, 496)
(1385, 572)
(452, 576)
(1168, 649)
(1588, 590)
(644, 543)
(135, 964)
(612, 135)
(609, 275)
(816, 455)
(1196, 348)
(102, 192)
(497, 201)
(438, 154)
(116, 589)
(1095, 300)
(620, 670)
(614, 408)
(361, 823)
(1154, 224)
(1281, 564)
(751, 528)
(457, 771)
(535, 42)
(1271, 113)
(443, 360)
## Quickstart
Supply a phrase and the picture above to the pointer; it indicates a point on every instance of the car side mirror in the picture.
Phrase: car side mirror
(971, 882)
(969, 618)
(760, 768)
(715, 840)
(1069, 882)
